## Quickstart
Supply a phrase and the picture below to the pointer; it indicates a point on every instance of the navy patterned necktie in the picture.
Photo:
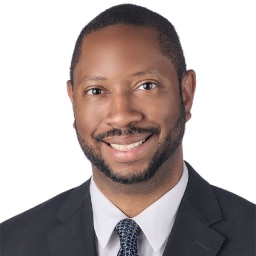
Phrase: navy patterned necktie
(127, 230)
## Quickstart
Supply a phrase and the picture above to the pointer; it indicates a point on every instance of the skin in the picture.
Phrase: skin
(117, 63)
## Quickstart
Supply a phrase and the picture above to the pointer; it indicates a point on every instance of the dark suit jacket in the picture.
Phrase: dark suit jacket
(209, 222)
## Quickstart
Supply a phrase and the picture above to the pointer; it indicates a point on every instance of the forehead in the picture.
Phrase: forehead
(118, 48)
(119, 31)
(121, 37)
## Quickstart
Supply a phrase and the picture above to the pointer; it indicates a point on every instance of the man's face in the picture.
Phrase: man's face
(129, 115)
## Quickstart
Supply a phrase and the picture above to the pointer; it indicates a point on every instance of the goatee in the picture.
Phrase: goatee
(164, 151)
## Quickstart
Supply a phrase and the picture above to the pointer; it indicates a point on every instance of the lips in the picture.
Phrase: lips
(124, 144)
(127, 147)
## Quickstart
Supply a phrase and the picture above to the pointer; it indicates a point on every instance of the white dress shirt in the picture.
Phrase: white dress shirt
(155, 222)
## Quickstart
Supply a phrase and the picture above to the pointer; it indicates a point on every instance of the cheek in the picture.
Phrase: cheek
(88, 117)
(163, 111)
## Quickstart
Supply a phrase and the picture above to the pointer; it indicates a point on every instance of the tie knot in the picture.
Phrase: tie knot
(128, 230)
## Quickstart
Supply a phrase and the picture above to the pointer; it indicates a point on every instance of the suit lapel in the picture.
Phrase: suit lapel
(192, 234)
(191, 237)
(75, 235)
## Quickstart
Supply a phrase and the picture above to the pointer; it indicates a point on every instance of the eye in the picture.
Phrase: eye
(147, 86)
(94, 91)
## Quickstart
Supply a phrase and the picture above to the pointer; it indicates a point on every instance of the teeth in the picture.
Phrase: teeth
(127, 147)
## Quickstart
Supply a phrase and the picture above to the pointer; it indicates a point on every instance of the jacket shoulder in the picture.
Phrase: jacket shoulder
(238, 224)
(33, 224)
(236, 208)
(35, 220)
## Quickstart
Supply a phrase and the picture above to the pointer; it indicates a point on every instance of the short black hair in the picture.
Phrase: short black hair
(129, 14)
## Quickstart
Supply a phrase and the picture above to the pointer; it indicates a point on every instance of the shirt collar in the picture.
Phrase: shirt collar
(163, 211)
(105, 215)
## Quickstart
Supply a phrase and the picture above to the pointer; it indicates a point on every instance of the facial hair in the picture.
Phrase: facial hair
(165, 150)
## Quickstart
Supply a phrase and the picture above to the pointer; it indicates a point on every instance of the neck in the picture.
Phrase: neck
(132, 199)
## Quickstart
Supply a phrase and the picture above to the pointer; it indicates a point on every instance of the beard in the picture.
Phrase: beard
(164, 151)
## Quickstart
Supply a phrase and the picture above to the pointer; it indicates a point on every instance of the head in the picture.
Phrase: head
(131, 94)
(138, 16)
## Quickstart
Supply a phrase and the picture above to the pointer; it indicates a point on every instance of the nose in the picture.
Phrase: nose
(123, 111)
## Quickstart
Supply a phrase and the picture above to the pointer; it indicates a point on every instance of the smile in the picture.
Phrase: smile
(127, 147)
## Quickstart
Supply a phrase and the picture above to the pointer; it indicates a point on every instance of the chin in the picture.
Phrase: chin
(129, 176)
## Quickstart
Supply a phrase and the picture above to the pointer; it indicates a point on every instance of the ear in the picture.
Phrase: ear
(71, 97)
(188, 91)
(70, 91)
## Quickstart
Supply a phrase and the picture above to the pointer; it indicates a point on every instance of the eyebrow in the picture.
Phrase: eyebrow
(94, 78)
(102, 78)
(146, 72)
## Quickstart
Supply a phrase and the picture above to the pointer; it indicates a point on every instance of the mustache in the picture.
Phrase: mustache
(128, 131)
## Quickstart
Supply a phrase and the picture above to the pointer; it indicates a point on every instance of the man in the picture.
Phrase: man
(132, 95)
